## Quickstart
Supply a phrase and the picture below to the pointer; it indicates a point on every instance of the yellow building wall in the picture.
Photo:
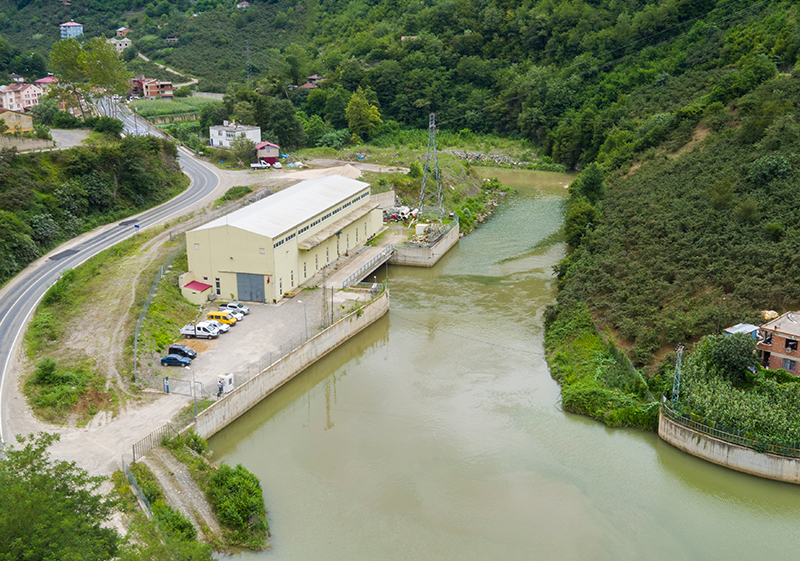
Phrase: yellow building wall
(222, 252)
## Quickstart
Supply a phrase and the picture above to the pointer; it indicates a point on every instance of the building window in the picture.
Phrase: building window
(261, 250)
(305, 275)
(791, 345)
(316, 262)
(365, 229)
(327, 255)
(292, 278)
(205, 278)
(197, 246)
(217, 287)
(356, 235)
(789, 365)
(348, 242)
(280, 286)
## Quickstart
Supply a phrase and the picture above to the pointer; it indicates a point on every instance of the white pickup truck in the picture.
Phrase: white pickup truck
(203, 330)
(260, 165)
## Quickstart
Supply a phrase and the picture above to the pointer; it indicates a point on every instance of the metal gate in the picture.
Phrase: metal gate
(250, 287)
(180, 387)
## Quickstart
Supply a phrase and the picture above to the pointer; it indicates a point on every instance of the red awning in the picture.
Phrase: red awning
(198, 286)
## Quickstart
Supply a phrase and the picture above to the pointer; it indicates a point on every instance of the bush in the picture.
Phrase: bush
(239, 502)
(64, 120)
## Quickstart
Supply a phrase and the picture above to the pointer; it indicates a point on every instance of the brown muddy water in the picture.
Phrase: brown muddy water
(437, 434)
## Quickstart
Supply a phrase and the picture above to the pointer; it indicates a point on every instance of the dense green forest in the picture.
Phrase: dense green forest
(47, 198)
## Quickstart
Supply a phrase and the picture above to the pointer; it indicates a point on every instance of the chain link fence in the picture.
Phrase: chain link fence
(153, 440)
(137, 490)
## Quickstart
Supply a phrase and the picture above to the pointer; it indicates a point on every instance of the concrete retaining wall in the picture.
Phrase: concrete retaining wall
(733, 456)
(424, 256)
(385, 200)
(25, 144)
(240, 400)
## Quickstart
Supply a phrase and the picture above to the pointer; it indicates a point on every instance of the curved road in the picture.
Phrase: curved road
(20, 297)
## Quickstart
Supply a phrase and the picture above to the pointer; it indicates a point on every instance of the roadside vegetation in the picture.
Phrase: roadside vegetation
(233, 194)
(48, 198)
(234, 493)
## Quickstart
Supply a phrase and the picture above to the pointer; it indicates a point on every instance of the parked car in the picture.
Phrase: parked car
(175, 360)
(235, 307)
(223, 327)
(222, 316)
(182, 350)
(202, 330)
(277, 165)
(260, 165)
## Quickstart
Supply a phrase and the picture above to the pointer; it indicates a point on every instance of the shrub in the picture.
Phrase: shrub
(239, 502)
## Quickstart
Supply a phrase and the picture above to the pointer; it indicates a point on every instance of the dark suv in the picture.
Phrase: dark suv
(182, 350)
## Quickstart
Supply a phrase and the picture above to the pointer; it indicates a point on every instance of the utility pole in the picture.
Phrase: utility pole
(430, 198)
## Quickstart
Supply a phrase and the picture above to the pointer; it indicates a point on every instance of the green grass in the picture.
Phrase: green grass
(157, 107)
(233, 194)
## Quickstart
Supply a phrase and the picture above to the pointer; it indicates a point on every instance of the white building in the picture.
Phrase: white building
(70, 30)
(222, 136)
(120, 44)
(268, 248)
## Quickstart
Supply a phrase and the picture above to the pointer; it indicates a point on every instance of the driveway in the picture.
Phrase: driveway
(69, 138)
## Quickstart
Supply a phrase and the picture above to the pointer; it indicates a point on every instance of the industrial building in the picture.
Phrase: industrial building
(261, 251)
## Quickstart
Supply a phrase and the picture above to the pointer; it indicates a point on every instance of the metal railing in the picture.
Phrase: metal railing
(731, 435)
(153, 440)
(137, 489)
(383, 255)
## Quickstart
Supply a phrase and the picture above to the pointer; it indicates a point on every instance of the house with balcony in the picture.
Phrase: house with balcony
(778, 343)
(120, 44)
(222, 136)
(71, 30)
(19, 97)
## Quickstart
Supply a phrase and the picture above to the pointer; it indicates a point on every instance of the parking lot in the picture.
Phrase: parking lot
(262, 337)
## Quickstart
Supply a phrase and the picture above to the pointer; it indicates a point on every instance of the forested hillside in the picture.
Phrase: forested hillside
(50, 197)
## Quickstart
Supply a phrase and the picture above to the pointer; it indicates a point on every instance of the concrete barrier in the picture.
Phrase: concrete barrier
(424, 256)
(25, 144)
(385, 200)
(243, 398)
(726, 454)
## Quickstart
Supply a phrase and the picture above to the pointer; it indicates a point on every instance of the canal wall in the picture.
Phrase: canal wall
(242, 399)
(425, 256)
(727, 454)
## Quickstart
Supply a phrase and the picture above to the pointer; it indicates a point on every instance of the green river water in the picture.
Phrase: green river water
(437, 433)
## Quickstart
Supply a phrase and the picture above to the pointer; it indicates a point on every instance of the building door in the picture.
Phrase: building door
(250, 287)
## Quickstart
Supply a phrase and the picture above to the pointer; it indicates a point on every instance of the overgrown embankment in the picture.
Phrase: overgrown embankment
(48, 198)
(688, 224)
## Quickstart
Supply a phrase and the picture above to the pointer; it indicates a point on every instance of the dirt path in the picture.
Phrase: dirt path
(182, 492)
(191, 81)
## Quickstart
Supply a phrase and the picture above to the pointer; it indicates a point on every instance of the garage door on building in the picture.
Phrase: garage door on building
(250, 287)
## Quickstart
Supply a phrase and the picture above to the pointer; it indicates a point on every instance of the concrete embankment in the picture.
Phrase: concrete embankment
(425, 256)
(726, 454)
(243, 398)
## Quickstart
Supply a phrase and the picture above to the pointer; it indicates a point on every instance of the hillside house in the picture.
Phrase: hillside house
(778, 343)
(16, 122)
(120, 44)
(123, 31)
(268, 152)
(222, 136)
(71, 30)
(46, 83)
(19, 97)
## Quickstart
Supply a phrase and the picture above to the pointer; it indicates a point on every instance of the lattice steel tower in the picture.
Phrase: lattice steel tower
(430, 198)
(676, 382)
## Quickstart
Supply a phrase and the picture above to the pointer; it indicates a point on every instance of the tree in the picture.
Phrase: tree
(243, 148)
(87, 68)
(50, 509)
(727, 356)
(363, 118)
(45, 111)
(3, 126)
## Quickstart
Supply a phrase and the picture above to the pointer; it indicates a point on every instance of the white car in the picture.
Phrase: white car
(277, 165)
(235, 307)
(223, 327)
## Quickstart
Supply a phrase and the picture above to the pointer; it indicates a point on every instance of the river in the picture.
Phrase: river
(437, 434)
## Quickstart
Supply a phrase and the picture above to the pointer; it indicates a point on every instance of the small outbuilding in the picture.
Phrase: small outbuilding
(267, 152)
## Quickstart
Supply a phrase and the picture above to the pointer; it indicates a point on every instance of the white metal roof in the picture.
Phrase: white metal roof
(741, 328)
(787, 324)
(290, 208)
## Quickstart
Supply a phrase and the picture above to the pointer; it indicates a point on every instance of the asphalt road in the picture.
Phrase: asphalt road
(22, 294)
